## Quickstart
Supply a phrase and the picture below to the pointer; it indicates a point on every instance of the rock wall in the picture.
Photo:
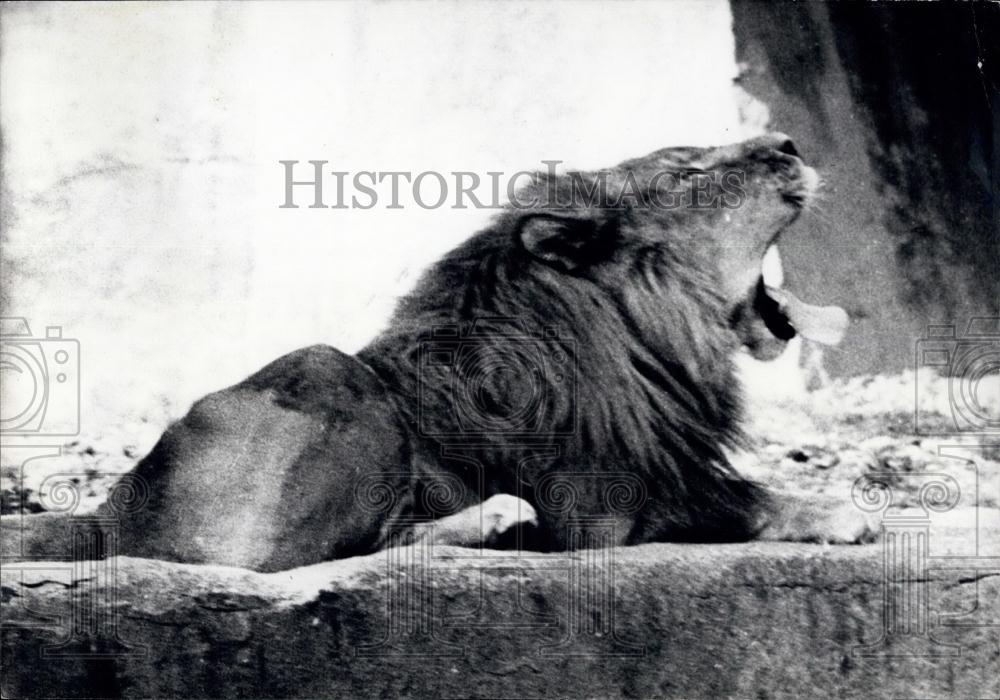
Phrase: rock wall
(759, 620)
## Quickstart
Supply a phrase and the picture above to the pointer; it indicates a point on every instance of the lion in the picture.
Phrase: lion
(564, 378)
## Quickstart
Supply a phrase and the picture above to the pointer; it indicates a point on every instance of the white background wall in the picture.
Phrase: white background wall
(141, 143)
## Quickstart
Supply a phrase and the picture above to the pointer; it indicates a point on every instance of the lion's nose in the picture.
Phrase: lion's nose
(774, 141)
(788, 147)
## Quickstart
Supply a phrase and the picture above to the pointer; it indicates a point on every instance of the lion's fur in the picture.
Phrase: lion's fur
(665, 413)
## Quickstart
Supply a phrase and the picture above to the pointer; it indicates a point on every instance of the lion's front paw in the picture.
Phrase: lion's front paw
(846, 524)
(800, 518)
(482, 524)
(502, 512)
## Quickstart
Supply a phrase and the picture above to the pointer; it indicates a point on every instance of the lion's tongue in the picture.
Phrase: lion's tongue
(822, 324)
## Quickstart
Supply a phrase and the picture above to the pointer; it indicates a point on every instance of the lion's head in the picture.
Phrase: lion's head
(679, 221)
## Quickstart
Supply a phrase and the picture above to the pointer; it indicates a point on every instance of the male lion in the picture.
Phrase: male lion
(568, 371)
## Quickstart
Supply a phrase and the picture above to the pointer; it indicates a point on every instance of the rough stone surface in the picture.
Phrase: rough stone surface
(664, 620)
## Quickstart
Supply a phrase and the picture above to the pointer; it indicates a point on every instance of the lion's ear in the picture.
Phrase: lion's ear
(561, 241)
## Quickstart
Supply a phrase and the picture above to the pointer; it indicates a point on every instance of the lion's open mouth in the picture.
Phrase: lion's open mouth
(778, 314)
(785, 315)
(770, 317)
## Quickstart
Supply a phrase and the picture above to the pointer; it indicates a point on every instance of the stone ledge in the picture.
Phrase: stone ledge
(662, 620)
